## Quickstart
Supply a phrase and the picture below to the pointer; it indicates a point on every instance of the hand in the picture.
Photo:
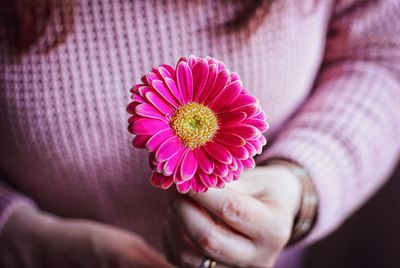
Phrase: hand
(33, 239)
(246, 224)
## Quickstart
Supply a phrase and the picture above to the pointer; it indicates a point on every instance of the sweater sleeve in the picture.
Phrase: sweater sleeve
(347, 133)
(9, 201)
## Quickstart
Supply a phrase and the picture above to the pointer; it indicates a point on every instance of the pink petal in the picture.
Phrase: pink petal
(158, 167)
(234, 76)
(212, 75)
(161, 89)
(244, 131)
(191, 61)
(147, 126)
(160, 180)
(210, 180)
(218, 152)
(135, 88)
(198, 186)
(174, 89)
(155, 141)
(260, 124)
(171, 164)
(228, 178)
(150, 77)
(184, 187)
(148, 110)
(185, 80)
(239, 152)
(230, 139)
(139, 141)
(204, 161)
(239, 170)
(250, 109)
(234, 165)
(137, 98)
(164, 73)
(131, 107)
(250, 148)
(168, 149)
(169, 69)
(143, 90)
(220, 183)
(232, 118)
(220, 83)
(248, 163)
(227, 96)
(257, 145)
(241, 101)
(188, 165)
(221, 170)
(200, 74)
(159, 103)
(263, 140)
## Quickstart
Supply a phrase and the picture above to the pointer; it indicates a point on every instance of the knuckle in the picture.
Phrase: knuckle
(208, 243)
(233, 208)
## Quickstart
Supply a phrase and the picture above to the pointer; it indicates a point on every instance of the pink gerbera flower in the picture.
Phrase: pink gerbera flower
(199, 124)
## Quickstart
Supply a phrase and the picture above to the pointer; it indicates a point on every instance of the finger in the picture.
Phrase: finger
(240, 211)
(182, 250)
(213, 239)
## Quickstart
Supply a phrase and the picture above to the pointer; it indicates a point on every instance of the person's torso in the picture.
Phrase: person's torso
(63, 135)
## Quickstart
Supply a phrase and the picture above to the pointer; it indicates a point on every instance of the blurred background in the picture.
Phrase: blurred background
(370, 238)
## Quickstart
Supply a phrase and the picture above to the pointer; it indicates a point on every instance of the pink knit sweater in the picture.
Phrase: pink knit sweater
(326, 73)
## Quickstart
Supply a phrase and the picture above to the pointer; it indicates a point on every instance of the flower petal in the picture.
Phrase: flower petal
(230, 139)
(148, 110)
(263, 140)
(139, 141)
(171, 164)
(147, 126)
(210, 180)
(218, 152)
(168, 149)
(162, 89)
(232, 118)
(200, 75)
(220, 83)
(220, 183)
(221, 170)
(160, 180)
(227, 96)
(155, 141)
(159, 103)
(174, 89)
(185, 80)
(250, 148)
(184, 187)
(212, 75)
(188, 165)
(244, 131)
(260, 124)
(239, 152)
(248, 163)
(228, 178)
(197, 185)
(204, 161)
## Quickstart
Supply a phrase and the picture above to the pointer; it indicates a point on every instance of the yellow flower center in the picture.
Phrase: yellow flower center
(194, 124)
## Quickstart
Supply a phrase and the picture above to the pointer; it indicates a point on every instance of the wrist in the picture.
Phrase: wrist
(308, 202)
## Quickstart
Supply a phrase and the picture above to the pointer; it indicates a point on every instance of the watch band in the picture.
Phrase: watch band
(307, 214)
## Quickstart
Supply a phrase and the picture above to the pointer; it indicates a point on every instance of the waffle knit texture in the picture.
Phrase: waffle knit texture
(326, 74)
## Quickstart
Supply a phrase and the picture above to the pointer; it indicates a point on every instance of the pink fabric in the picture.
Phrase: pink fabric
(63, 139)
